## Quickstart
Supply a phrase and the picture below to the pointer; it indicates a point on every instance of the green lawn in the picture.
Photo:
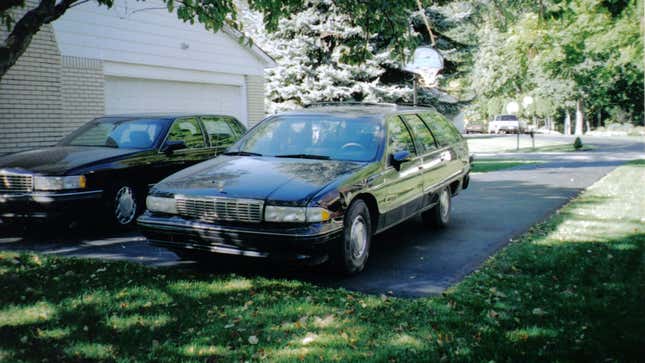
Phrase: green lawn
(552, 148)
(486, 165)
(572, 289)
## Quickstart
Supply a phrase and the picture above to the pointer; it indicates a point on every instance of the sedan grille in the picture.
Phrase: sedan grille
(15, 183)
(220, 209)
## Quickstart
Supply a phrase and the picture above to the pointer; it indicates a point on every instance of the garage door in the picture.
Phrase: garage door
(134, 95)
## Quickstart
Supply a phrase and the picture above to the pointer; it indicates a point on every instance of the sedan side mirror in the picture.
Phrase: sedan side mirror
(172, 146)
(399, 158)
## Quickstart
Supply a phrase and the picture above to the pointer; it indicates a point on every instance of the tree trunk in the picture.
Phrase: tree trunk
(579, 118)
(23, 31)
(567, 123)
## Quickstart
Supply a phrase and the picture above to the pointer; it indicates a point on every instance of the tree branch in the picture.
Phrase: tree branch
(20, 37)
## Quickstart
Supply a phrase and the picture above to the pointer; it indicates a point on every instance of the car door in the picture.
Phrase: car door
(449, 141)
(431, 155)
(402, 183)
(221, 132)
(189, 131)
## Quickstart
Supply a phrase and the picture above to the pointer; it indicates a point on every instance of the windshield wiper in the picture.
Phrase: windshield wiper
(304, 156)
(241, 153)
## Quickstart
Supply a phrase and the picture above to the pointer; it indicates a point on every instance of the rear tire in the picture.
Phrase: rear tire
(351, 251)
(439, 215)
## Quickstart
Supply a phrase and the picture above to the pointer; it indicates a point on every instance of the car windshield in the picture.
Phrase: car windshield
(315, 137)
(117, 133)
(506, 118)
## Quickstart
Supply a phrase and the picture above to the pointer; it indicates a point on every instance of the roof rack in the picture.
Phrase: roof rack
(349, 103)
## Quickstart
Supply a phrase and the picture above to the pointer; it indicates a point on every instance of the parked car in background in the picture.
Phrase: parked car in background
(312, 184)
(506, 124)
(474, 127)
(109, 163)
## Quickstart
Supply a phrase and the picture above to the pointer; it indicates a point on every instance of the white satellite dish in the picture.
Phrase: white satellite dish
(426, 62)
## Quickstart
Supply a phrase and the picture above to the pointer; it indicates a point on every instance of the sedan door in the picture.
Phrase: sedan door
(401, 186)
(189, 131)
(221, 132)
(433, 165)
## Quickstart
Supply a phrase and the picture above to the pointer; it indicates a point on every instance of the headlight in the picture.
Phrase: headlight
(59, 182)
(161, 204)
(295, 214)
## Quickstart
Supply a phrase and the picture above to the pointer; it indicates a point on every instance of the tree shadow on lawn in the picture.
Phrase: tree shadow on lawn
(534, 302)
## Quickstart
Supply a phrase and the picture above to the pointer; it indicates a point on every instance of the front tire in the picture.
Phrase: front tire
(352, 250)
(124, 205)
(439, 215)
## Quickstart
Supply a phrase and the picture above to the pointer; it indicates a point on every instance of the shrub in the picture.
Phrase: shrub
(577, 144)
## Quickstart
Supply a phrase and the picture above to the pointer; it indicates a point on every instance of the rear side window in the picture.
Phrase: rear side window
(188, 131)
(442, 129)
(219, 130)
(399, 136)
(421, 132)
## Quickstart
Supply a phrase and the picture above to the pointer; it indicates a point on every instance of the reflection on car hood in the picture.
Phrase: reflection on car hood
(58, 160)
(286, 180)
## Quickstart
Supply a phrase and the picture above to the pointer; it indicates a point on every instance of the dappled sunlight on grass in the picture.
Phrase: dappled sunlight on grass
(95, 351)
(120, 323)
(24, 315)
(569, 290)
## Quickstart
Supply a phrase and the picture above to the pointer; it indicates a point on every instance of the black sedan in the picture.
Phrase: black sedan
(109, 163)
(311, 183)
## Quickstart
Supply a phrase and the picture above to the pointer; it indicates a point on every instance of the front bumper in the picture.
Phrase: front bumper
(42, 205)
(279, 242)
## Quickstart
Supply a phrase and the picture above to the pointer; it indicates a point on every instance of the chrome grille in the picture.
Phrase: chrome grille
(15, 183)
(220, 209)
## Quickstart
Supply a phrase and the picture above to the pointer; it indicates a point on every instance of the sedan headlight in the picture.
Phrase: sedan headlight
(59, 182)
(274, 213)
(161, 204)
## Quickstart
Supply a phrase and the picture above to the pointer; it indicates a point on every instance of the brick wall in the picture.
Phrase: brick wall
(255, 99)
(30, 95)
(82, 88)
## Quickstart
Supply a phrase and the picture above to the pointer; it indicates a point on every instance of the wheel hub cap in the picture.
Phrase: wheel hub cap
(358, 236)
(125, 206)
(444, 202)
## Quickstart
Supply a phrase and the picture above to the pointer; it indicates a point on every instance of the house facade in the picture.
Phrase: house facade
(135, 57)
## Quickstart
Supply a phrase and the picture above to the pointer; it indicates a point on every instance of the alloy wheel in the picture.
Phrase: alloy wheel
(125, 205)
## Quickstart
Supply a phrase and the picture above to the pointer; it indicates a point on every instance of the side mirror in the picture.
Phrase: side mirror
(399, 158)
(172, 146)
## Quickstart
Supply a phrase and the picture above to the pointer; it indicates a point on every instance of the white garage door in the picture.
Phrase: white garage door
(134, 95)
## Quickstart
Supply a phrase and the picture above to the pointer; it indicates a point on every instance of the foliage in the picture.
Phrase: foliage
(312, 47)
(487, 165)
(559, 52)
(571, 289)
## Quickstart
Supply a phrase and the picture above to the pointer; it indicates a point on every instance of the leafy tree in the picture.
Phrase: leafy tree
(389, 19)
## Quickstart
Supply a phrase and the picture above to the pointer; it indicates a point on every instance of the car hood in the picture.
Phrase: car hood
(290, 181)
(59, 160)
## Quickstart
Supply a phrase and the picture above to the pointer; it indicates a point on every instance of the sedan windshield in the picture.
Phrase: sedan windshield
(314, 137)
(117, 133)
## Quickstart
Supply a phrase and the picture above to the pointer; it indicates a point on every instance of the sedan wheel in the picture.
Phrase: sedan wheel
(439, 215)
(351, 252)
(125, 205)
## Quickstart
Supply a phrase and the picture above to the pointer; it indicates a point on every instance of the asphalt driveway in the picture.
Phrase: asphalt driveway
(410, 259)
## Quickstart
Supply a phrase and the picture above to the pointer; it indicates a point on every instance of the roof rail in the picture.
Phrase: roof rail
(349, 103)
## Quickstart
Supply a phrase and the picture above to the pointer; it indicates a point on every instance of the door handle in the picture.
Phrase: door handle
(420, 167)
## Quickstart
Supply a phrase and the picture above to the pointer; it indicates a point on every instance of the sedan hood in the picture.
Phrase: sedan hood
(291, 181)
(59, 160)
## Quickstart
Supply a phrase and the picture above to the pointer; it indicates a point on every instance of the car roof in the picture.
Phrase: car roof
(356, 109)
(167, 115)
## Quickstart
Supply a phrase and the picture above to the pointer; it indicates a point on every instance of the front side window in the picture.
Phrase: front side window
(316, 136)
(399, 136)
(421, 132)
(188, 131)
(219, 131)
(117, 133)
(442, 129)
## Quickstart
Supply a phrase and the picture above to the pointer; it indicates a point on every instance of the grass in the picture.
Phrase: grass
(571, 289)
(552, 148)
(486, 165)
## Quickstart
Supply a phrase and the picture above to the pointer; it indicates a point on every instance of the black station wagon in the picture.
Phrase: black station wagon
(313, 183)
(109, 163)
